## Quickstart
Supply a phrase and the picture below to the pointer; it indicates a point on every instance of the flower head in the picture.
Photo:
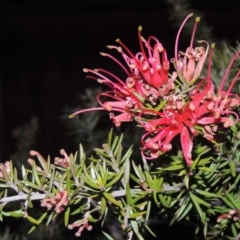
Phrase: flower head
(161, 132)
(153, 66)
(167, 109)
(189, 64)
(146, 83)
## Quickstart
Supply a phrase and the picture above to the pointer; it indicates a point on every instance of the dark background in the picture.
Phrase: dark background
(44, 45)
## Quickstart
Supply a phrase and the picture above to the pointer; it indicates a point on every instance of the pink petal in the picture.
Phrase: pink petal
(187, 145)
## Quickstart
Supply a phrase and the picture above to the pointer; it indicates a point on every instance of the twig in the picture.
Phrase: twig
(34, 196)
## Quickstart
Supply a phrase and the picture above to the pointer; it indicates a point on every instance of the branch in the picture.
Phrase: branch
(34, 196)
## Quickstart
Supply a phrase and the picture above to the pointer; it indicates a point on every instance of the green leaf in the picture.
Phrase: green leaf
(227, 202)
(50, 217)
(174, 167)
(30, 184)
(230, 197)
(127, 155)
(32, 229)
(195, 203)
(107, 236)
(234, 230)
(138, 172)
(115, 179)
(112, 200)
(207, 169)
(161, 105)
(163, 200)
(185, 211)
(205, 193)
(115, 141)
(66, 216)
(109, 138)
(16, 213)
(15, 177)
(155, 197)
(204, 161)
(91, 218)
(43, 216)
(183, 207)
(235, 184)
(91, 184)
(51, 180)
(201, 151)
(126, 172)
(68, 183)
(32, 220)
(136, 215)
(186, 181)
(233, 168)
(103, 205)
(205, 229)
(200, 201)
(145, 164)
(81, 155)
(28, 199)
(148, 211)
(128, 195)
(118, 146)
(149, 179)
(4, 185)
(72, 167)
(35, 174)
(43, 164)
(136, 230)
(149, 230)
(23, 171)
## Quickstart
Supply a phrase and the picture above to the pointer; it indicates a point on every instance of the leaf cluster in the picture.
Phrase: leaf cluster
(111, 184)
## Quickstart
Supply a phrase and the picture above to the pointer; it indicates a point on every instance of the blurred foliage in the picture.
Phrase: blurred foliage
(221, 58)
(178, 10)
(26, 137)
(87, 130)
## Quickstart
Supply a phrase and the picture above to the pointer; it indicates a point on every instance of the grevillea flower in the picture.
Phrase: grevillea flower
(146, 84)
(214, 108)
(159, 103)
(152, 67)
(163, 130)
(189, 64)
(203, 113)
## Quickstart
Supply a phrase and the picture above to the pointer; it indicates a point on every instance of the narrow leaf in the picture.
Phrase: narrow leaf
(66, 216)
(112, 200)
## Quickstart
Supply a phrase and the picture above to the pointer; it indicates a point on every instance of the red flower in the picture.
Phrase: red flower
(147, 81)
(203, 113)
(152, 67)
(212, 108)
(161, 132)
(165, 110)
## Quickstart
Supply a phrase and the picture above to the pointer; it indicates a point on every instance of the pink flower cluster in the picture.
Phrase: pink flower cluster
(167, 104)
(4, 169)
(58, 202)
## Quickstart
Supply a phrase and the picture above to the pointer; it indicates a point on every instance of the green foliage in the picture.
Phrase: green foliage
(26, 136)
(110, 183)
